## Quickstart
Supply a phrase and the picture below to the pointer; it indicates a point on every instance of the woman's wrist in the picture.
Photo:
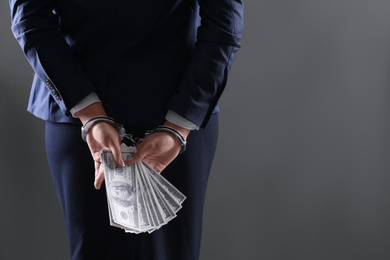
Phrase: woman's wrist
(97, 119)
(180, 133)
(93, 110)
(183, 131)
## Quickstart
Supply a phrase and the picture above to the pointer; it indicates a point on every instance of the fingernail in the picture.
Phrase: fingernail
(123, 163)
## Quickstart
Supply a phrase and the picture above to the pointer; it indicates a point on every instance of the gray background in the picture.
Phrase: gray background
(302, 169)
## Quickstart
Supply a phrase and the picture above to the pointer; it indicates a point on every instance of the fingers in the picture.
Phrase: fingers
(117, 154)
(158, 150)
(138, 156)
(99, 175)
(112, 141)
(99, 171)
(104, 136)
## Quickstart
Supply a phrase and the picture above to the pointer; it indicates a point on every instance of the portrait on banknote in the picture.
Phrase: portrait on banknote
(121, 193)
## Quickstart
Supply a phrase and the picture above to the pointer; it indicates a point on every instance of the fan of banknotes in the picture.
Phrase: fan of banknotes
(139, 199)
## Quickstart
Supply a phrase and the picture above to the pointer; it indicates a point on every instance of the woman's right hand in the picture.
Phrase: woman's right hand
(103, 136)
(100, 136)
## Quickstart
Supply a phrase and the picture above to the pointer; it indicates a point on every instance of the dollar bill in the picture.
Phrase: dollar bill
(139, 199)
(120, 188)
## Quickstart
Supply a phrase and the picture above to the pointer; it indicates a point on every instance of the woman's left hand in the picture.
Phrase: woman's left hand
(159, 149)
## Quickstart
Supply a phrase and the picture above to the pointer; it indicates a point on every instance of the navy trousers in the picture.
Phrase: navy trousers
(85, 209)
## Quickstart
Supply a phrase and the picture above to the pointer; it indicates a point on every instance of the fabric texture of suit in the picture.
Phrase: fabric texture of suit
(142, 58)
(152, 50)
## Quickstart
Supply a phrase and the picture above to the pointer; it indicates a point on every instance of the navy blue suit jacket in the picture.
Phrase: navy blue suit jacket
(141, 57)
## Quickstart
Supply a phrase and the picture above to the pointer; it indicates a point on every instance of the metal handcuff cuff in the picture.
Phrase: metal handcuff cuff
(122, 132)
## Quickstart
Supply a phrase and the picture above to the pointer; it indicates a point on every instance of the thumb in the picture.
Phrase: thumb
(117, 154)
(137, 157)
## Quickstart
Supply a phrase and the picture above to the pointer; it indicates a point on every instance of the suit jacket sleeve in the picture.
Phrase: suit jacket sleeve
(218, 39)
(35, 26)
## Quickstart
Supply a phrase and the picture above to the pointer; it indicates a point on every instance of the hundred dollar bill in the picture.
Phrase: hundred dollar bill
(167, 211)
(173, 200)
(139, 199)
(120, 187)
(150, 201)
(175, 193)
(146, 212)
(143, 215)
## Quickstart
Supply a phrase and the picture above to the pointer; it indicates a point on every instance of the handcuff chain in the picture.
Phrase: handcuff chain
(122, 133)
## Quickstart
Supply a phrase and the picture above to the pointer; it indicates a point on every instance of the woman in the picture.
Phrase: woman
(145, 64)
